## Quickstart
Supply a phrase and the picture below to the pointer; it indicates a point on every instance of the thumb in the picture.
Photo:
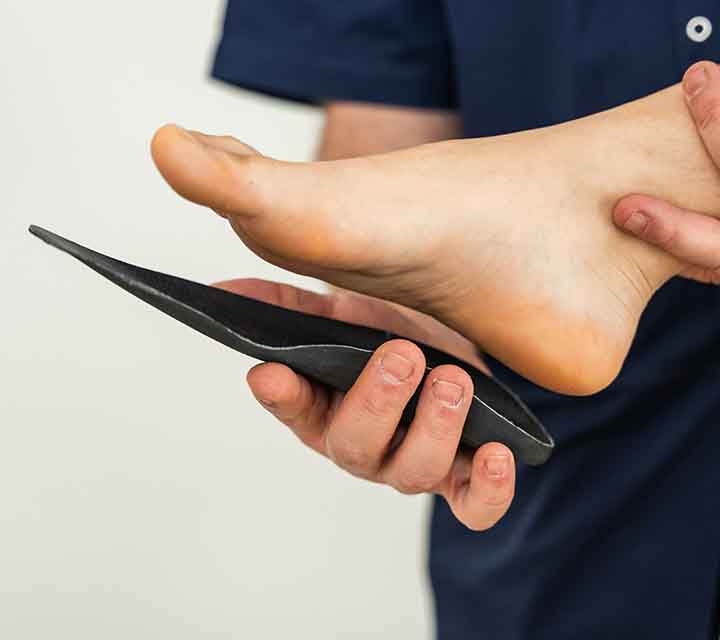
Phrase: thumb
(691, 237)
(701, 84)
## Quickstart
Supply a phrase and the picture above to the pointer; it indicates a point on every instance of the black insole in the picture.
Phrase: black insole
(329, 351)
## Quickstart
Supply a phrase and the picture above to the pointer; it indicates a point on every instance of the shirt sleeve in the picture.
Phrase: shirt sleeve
(387, 51)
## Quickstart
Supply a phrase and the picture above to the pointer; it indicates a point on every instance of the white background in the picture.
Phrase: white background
(143, 493)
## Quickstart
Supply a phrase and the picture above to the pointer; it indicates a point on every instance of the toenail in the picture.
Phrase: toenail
(192, 139)
(496, 466)
(395, 367)
(636, 223)
(449, 393)
(694, 81)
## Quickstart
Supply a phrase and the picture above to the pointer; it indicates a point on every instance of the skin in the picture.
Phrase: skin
(359, 430)
(517, 224)
(691, 237)
(345, 427)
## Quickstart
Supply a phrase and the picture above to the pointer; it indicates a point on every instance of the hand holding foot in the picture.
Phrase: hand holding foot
(359, 430)
(507, 240)
(691, 237)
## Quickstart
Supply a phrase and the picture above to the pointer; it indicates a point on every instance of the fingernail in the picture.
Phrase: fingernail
(268, 404)
(694, 81)
(449, 393)
(496, 466)
(397, 368)
(636, 223)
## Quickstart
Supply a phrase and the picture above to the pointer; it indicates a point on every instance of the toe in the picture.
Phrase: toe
(217, 172)
(279, 209)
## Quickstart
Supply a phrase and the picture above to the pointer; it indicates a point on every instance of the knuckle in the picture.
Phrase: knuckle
(296, 413)
(707, 111)
(413, 482)
(355, 459)
(663, 235)
(384, 400)
(377, 405)
(292, 418)
(445, 428)
(496, 499)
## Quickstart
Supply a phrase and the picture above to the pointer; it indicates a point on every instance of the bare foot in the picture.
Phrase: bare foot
(507, 240)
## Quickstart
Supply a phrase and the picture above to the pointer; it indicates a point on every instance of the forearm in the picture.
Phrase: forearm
(356, 129)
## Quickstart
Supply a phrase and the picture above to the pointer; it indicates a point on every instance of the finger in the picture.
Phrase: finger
(701, 84)
(341, 305)
(363, 425)
(427, 452)
(689, 236)
(282, 295)
(360, 309)
(296, 402)
(481, 489)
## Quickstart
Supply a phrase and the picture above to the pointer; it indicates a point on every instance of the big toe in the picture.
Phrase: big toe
(215, 171)
(284, 211)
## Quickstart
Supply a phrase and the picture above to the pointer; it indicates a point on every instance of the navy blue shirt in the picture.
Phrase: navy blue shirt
(618, 537)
